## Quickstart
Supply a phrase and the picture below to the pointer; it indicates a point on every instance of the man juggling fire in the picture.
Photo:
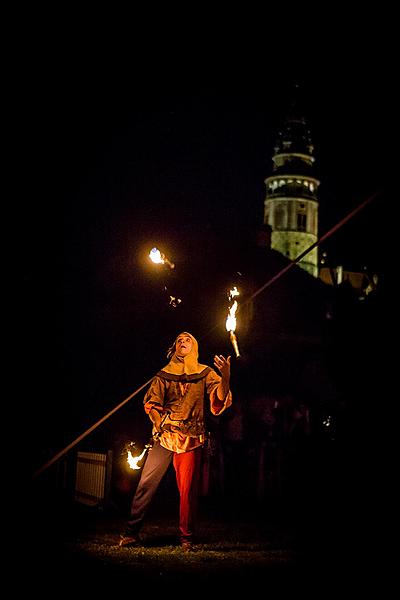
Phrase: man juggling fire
(175, 403)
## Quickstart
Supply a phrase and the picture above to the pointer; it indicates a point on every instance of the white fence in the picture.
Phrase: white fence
(93, 476)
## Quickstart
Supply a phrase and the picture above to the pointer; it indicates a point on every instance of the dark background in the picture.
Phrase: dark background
(124, 153)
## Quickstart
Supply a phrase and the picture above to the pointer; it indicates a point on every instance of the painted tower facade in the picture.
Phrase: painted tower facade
(291, 203)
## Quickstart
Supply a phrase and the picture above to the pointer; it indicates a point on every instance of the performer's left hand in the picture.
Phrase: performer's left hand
(223, 365)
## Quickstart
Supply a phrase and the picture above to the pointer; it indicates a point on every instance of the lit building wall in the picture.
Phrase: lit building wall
(291, 202)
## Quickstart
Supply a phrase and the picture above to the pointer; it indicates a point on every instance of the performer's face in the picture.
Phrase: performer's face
(183, 345)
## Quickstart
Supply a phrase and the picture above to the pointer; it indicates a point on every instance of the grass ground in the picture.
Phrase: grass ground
(247, 548)
(321, 541)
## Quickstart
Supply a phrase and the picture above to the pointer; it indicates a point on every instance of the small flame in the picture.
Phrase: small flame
(231, 319)
(159, 258)
(133, 460)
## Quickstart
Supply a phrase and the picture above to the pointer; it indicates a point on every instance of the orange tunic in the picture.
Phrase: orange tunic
(175, 404)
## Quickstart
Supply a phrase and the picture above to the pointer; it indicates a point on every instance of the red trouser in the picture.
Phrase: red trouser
(187, 468)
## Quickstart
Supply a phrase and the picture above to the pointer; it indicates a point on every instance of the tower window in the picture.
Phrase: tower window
(301, 221)
(279, 217)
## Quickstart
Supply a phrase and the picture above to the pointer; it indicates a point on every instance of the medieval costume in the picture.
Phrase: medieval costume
(175, 404)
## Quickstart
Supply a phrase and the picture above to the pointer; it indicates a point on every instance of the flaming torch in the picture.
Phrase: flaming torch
(134, 460)
(159, 258)
(231, 320)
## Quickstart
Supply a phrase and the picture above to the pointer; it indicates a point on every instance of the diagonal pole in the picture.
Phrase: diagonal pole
(326, 235)
(315, 244)
(86, 433)
(256, 293)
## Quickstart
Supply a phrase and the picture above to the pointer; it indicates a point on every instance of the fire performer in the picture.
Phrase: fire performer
(175, 403)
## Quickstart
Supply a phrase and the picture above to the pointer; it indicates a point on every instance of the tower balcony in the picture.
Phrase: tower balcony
(292, 191)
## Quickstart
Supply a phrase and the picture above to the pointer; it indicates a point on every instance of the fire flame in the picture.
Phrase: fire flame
(133, 460)
(231, 320)
(159, 258)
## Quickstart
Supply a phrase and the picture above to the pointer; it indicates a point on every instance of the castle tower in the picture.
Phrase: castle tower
(291, 203)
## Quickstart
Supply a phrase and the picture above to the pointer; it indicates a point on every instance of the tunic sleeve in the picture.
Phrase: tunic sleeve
(155, 396)
(212, 382)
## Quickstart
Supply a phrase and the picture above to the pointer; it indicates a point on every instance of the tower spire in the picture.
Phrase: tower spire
(291, 203)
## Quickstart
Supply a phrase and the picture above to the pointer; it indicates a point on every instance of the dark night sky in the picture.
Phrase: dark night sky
(126, 160)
